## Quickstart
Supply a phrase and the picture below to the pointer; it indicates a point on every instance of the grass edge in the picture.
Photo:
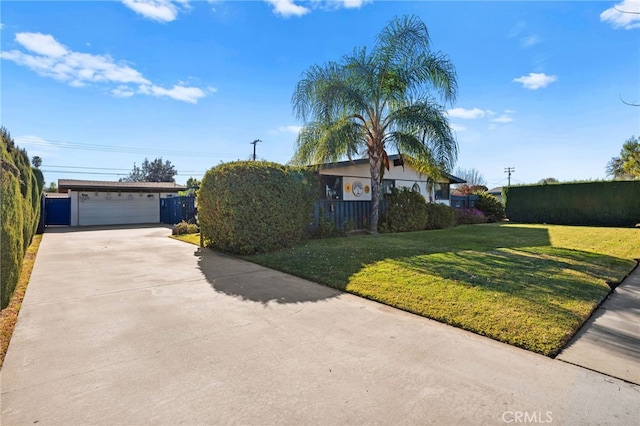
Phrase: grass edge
(9, 315)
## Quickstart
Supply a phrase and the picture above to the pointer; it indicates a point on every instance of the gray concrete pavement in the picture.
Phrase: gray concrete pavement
(610, 341)
(126, 326)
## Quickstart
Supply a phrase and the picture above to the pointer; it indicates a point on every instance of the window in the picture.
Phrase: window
(442, 191)
(332, 187)
(386, 186)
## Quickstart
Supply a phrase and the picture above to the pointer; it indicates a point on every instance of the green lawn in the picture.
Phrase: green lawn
(187, 238)
(528, 285)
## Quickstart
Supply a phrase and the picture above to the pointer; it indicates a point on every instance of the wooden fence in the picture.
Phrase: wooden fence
(345, 215)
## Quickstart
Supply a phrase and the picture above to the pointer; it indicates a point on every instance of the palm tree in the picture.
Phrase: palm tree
(372, 101)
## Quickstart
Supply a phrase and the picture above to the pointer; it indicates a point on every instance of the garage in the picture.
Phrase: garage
(116, 203)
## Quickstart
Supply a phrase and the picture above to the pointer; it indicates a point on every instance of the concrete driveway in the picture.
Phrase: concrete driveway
(126, 326)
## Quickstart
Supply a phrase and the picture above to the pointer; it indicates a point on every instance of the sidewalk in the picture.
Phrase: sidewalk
(610, 340)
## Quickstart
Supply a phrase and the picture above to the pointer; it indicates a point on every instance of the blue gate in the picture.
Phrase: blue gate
(176, 209)
(57, 211)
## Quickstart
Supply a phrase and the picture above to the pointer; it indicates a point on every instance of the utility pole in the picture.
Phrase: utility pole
(509, 170)
(254, 143)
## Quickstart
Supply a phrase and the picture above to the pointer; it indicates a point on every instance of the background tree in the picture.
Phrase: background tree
(374, 100)
(192, 183)
(549, 180)
(627, 165)
(475, 181)
(36, 161)
(154, 171)
(51, 188)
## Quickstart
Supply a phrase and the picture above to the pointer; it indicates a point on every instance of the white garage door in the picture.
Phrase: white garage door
(108, 208)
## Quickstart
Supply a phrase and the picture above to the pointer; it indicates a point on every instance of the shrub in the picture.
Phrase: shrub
(185, 228)
(326, 228)
(406, 211)
(20, 191)
(249, 207)
(440, 216)
(490, 206)
(470, 217)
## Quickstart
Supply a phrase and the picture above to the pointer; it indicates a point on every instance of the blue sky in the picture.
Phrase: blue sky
(92, 87)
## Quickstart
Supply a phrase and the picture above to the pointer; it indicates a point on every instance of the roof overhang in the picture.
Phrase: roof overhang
(65, 185)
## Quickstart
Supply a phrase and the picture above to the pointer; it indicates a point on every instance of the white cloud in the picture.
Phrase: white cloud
(504, 118)
(457, 127)
(353, 4)
(1, 26)
(625, 14)
(157, 10)
(177, 92)
(535, 81)
(49, 58)
(42, 44)
(122, 92)
(530, 40)
(287, 8)
(467, 114)
(286, 129)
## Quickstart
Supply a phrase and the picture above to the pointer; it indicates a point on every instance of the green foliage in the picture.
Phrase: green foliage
(326, 228)
(470, 217)
(251, 207)
(440, 216)
(490, 206)
(379, 99)
(21, 187)
(406, 211)
(627, 165)
(613, 203)
(183, 228)
(152, 171)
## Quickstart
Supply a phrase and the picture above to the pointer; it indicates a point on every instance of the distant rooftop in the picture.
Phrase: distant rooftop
(65, 184)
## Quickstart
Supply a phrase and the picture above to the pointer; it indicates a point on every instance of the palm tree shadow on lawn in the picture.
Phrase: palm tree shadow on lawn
(251, 282)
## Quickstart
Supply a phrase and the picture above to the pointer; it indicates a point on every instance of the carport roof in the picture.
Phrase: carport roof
(84, 185)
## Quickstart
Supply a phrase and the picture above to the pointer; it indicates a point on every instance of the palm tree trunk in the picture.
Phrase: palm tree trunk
(375, 163)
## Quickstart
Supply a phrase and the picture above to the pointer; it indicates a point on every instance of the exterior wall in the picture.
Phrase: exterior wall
(74, 208)
(403, 176)
(120, 216)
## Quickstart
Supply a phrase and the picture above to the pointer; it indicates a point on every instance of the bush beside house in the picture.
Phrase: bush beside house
(21, 187)
(408, 211)
(250, 207)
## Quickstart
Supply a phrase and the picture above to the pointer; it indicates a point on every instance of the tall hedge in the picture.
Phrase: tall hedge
(249, 207)
(615, 203)
(20, 191)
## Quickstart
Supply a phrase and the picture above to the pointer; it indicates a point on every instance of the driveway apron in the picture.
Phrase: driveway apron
(127, 326)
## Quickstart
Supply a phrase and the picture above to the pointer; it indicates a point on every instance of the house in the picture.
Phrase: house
(496, 192)
(345, 190)
(351, 181)
(110, 203)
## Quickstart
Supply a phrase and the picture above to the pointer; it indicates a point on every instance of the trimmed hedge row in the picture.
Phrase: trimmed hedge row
(21, 188)
(615, 203)
(247, 207)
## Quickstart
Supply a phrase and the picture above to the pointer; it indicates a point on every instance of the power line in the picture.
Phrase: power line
(104, 168)
(113, 148)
